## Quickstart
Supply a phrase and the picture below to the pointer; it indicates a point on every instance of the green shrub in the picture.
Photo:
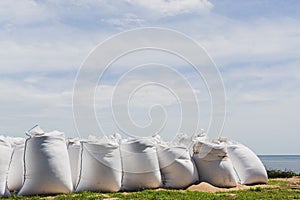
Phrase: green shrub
(281, 174)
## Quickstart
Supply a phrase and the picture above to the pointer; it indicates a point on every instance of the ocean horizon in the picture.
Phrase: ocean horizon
(281, 162)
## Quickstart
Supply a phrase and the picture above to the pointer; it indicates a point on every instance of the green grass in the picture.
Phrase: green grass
(281, 190)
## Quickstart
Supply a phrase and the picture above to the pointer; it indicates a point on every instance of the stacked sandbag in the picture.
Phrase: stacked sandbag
(16, 168)
(248, 166)
(5, 157)
(213, 164)
(74, 156)
(47, 167)
(140, 164)
(100, 165)
(189, 140)
(177, 168)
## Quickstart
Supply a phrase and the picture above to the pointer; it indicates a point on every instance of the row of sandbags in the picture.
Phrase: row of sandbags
(108, 165)
(49, 164)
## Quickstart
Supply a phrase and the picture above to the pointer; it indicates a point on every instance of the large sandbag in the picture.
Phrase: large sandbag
(16, 168)
(101, 168)
(5, 157)
(189, 140)
(176, 165)
(213, 164)
(248, 166)
(140, 164)
(74, 156)
(47, 167)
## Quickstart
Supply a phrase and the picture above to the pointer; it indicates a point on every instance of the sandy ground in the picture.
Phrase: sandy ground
(206, 187)
(293, 182)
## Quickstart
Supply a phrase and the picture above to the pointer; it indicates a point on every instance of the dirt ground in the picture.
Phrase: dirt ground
(206, 187)
(293, 182)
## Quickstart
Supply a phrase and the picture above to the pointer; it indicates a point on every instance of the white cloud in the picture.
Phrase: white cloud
(260, 41)
(23, 12)
(253, 98)
(174, 7)
(17, 57)
(24, 104)
(43, 42)
(129, 20)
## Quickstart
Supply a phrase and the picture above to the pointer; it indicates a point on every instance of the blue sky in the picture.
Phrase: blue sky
(255, 45)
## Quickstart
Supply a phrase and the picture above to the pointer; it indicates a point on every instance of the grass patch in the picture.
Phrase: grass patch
(263, 193)
(282, 190)
(163, 194)
(279, 183)
(254, 193)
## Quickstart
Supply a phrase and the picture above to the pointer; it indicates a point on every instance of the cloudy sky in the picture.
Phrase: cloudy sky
(255, 45)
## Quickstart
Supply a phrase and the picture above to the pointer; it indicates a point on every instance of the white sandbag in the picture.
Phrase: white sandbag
(248, 166)
(5, 157)
(176, 165)
(188, 141)
(101, 168)
(213, 165)
(47, 167)
(140, 164)
(16, 168)
(74, 156)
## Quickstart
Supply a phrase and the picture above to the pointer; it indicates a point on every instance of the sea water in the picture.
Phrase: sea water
(282, 162)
